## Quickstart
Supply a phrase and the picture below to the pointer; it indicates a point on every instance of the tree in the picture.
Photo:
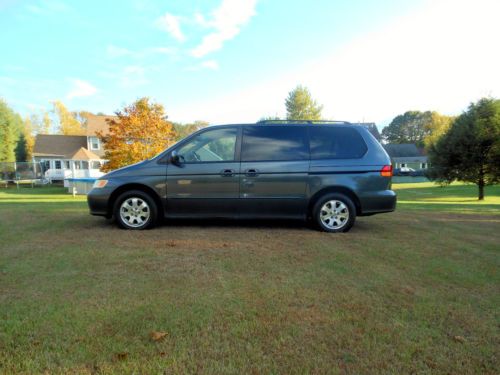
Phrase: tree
(436, 127)
(21, 149)
(301, 106)
(40, 123)
(409, 127)
(421, 128)
(140, 132)
(26, 142)
(470, 150)
(68, 122)
(183, 130)
(270, 118)
(10, 126)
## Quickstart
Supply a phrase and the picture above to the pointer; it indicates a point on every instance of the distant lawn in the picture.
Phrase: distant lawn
(415, 291)
(458, 198)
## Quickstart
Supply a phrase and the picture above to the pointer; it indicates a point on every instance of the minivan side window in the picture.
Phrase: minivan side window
(210, 146)
(332, 142)
(274, 143)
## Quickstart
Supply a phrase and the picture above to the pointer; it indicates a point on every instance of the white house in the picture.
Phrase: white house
(72, 156)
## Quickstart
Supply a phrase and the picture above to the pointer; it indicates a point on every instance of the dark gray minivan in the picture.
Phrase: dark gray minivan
(328, 172)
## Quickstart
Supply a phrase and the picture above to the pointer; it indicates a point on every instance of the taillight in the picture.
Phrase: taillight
(386, 171)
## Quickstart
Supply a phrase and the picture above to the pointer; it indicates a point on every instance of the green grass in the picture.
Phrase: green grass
(414, 291)
(457, 198)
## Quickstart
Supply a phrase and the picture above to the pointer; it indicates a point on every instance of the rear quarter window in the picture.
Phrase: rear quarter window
(336, 143)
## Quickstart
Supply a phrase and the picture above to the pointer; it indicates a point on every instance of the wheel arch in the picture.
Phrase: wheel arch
(134, 186)
(335, 189)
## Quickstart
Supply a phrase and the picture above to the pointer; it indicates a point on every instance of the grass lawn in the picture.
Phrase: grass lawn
(414, 291)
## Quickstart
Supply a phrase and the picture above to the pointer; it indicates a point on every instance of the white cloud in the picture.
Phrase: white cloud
(204, 65)
(132, 76)
(227, 21)
(81, 88)
(210, 64)
(128, 77)
(161, 50)
(439, 57)
(171, 24)
(114, 52)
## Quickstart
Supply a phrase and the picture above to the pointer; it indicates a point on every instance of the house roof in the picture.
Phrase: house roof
(56, 145)
(84, 154)
(402, 150)
(372, 128)
(97, 123)
(411, 159)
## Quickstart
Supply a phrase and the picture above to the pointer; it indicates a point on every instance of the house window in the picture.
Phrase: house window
(95, 164)
(423, 165)
(85, 165)
(94, 143)
(46, 165)
(66, 164)
(403, 165)
(77, 165)
(57, 164)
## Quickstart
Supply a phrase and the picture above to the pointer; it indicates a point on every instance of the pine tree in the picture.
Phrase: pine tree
(470, 150)
(301, 106)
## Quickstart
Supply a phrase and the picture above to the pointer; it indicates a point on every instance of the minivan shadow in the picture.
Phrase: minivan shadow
(237, 223)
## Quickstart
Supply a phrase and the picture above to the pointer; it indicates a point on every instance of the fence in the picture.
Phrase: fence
(19, 172)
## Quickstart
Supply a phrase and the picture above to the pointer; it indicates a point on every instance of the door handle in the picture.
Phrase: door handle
(252, 172)
(227, 172)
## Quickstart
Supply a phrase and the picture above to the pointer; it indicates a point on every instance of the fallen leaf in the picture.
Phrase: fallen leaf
(459, 339)
(121, 356)
(157, 336)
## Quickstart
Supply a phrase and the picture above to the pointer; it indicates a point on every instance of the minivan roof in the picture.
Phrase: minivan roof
(291, 123)
(320, 122)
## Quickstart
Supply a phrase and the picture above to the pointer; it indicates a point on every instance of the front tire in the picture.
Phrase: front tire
(334, 213)
(135, 210)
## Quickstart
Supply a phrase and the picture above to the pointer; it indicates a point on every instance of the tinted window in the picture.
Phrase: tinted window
(212, 145)
(336, 143)
(262, 143)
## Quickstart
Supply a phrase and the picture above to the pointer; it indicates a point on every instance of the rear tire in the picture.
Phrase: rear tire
(334, 213)
(135, 210)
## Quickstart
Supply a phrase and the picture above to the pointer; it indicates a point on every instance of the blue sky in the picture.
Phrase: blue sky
(235, 60)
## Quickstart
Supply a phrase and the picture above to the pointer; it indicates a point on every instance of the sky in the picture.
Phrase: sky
(234, 61)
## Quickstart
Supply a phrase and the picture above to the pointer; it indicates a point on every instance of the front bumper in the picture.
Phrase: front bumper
(98, 201)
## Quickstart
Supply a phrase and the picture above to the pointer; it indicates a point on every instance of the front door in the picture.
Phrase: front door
(205, 183)
(274, 171)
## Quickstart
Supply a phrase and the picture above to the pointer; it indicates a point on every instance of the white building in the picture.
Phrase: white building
(72, 156)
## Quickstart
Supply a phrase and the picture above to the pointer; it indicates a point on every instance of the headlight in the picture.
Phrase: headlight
(98, 184)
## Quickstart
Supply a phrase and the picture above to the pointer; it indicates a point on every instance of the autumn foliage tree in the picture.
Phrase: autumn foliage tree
(139, 132)
(68, 122)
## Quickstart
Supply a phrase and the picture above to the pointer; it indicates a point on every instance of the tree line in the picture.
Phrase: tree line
(464, 147)
(17, 134)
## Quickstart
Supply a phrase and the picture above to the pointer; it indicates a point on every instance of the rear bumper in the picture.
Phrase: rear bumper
(378, 202)
(98, 200)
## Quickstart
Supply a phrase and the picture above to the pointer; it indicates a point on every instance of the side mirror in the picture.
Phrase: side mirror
(175, 159)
